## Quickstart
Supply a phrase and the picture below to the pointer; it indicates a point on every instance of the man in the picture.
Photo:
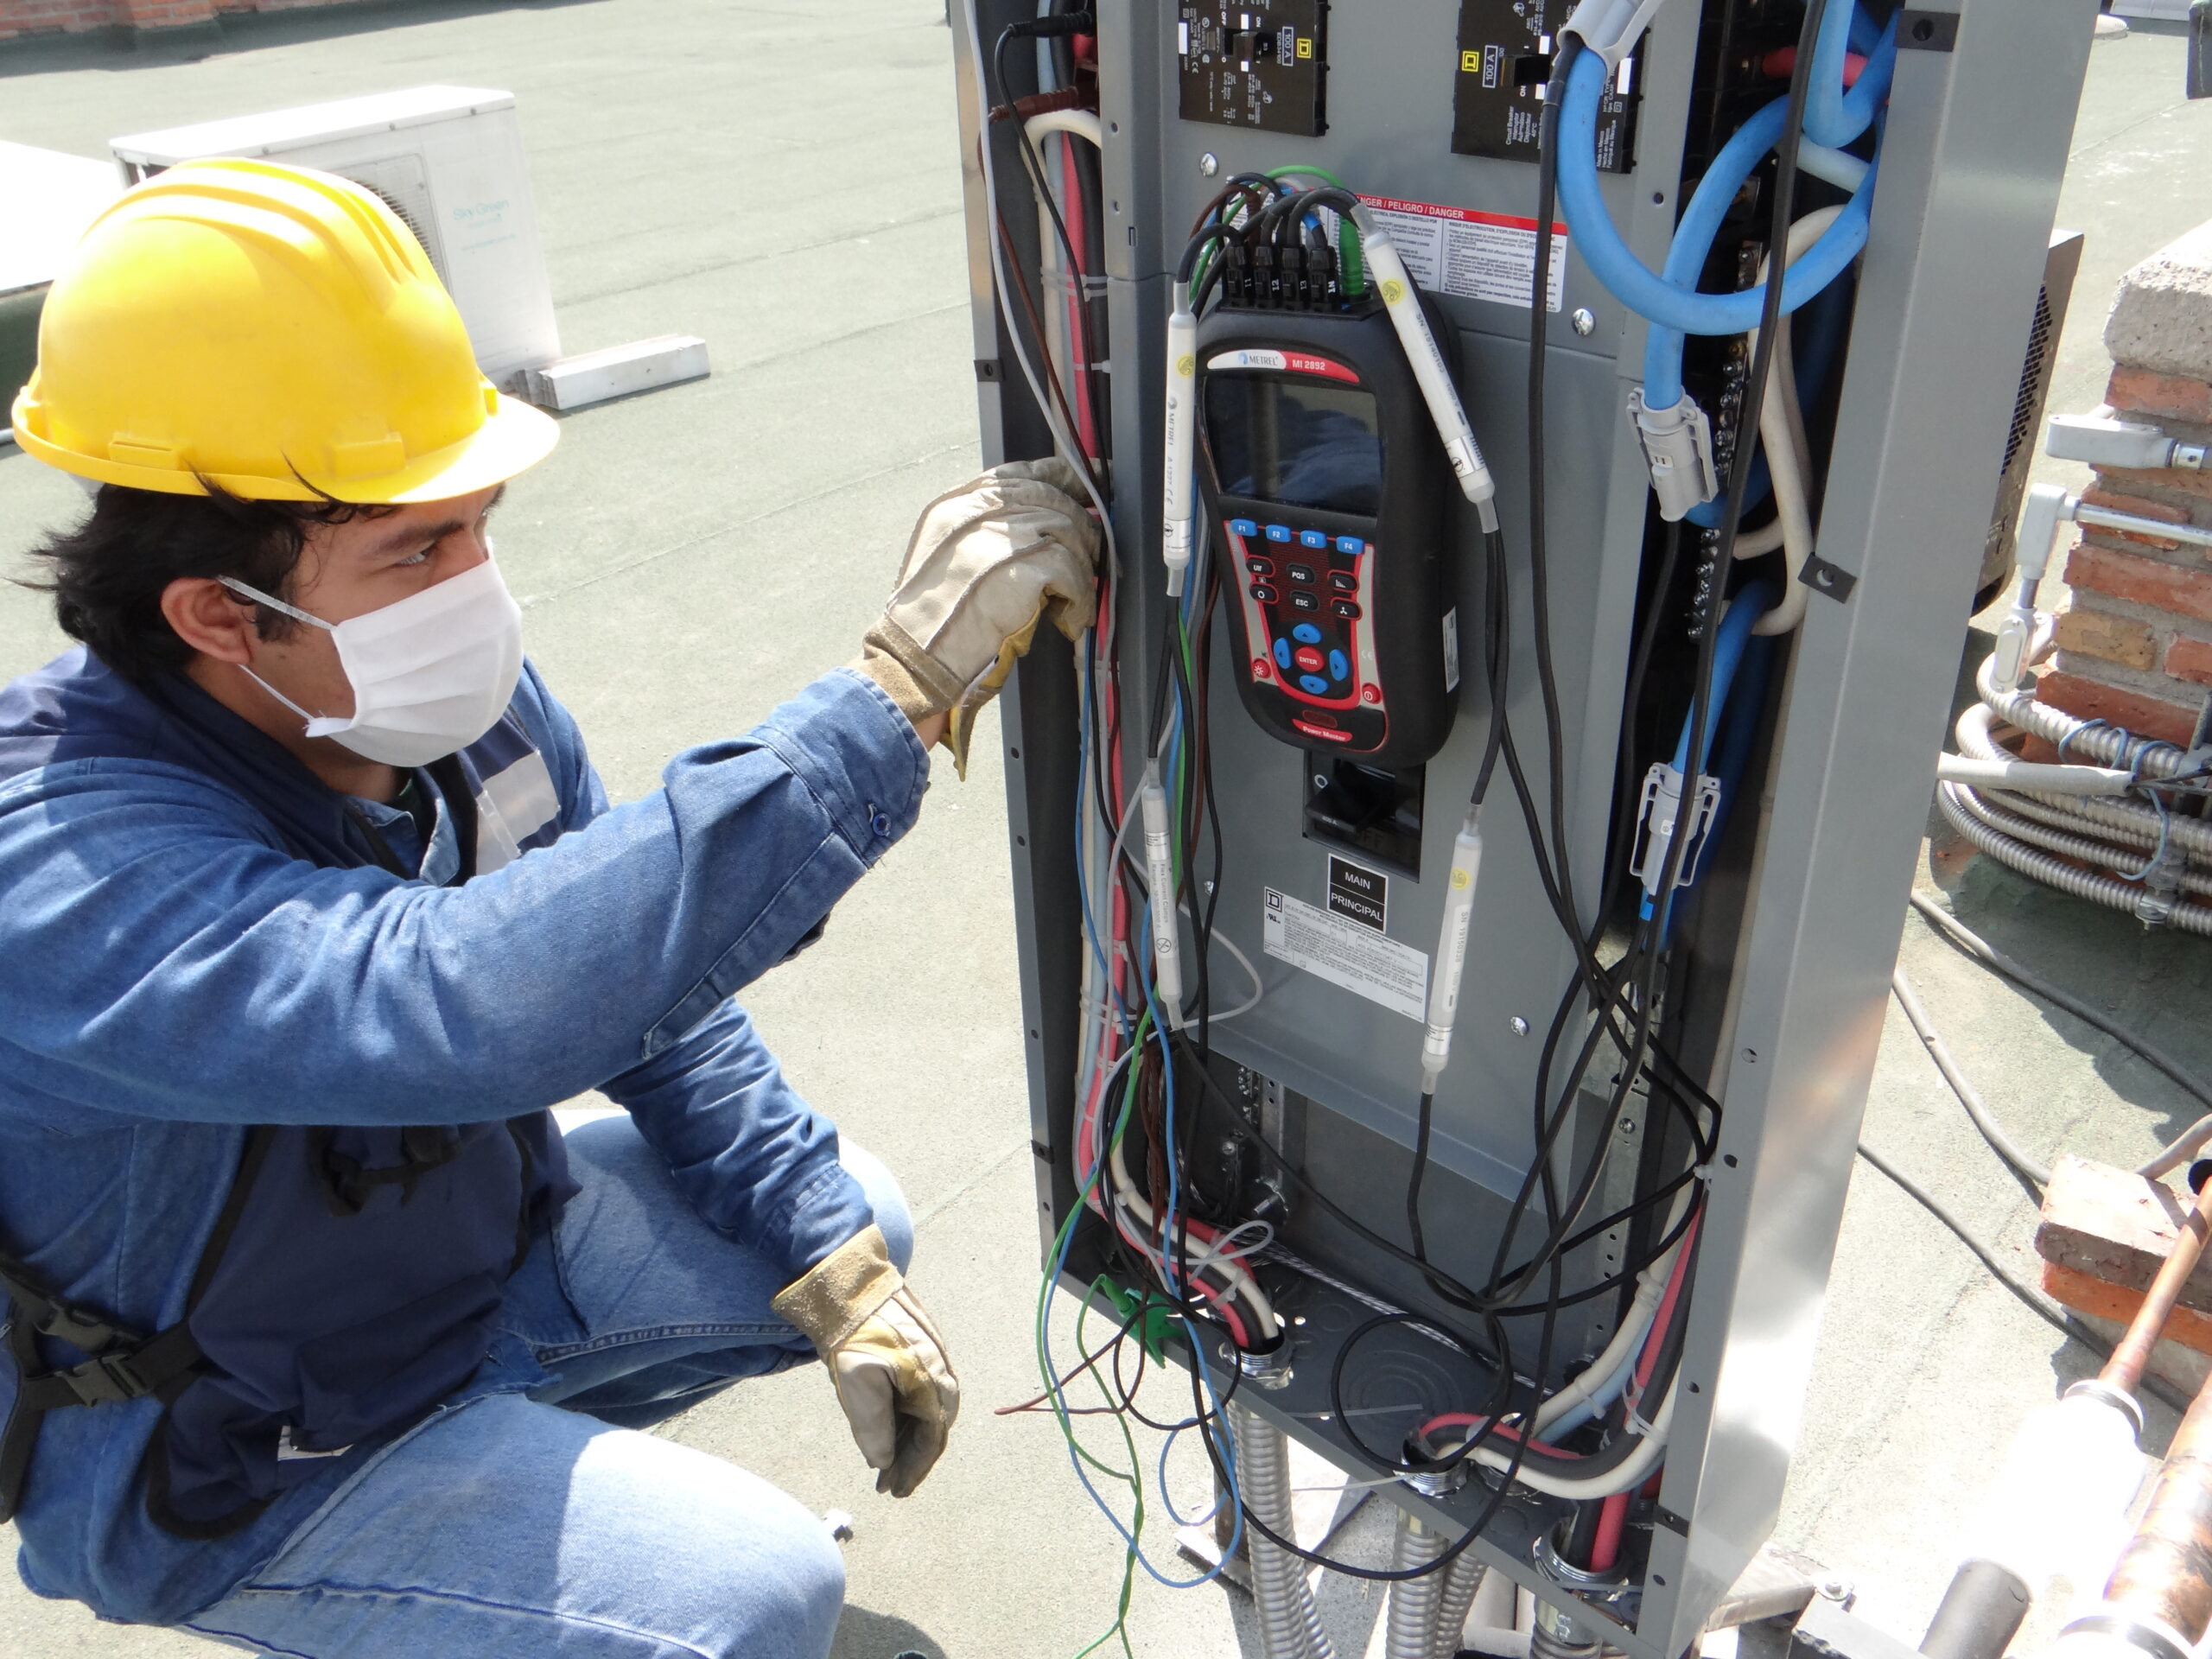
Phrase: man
(323, 1342)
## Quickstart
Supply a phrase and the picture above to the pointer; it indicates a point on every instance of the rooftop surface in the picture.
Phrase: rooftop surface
(782, 179)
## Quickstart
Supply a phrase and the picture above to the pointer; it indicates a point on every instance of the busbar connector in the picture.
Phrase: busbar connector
(1660, 818)
(1678, 448)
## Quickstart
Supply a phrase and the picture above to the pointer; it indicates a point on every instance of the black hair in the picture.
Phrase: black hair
(107, 575)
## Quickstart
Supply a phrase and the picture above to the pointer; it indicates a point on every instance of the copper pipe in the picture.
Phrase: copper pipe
(2124, 1370)
(2165, 1573)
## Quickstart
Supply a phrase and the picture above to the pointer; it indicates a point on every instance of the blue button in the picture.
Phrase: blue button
(1311, 538)
(1278, 532)
(1243, 527)
(1306, 634)
(1312, 684)
(1339, 668)
(1282, 653)
(1351, 545)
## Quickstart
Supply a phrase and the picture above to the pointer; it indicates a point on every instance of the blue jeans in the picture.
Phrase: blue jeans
(522, 1525)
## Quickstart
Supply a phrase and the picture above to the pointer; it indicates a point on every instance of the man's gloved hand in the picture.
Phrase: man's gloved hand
(987, 562)
(885, 1358)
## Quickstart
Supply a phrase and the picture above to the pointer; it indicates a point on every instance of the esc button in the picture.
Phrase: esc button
(1305, 601)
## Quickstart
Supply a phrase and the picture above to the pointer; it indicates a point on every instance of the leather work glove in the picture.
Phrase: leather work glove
(987, 562)
(886, 1359)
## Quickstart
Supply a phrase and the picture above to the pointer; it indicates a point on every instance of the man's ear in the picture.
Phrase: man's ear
(208, 617)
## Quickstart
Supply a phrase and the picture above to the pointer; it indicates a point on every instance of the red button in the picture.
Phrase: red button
(1370, 694)
(1262, 669)
(1308, 658)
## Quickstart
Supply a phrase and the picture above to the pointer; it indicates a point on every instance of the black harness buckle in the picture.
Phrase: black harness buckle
(105, 1379)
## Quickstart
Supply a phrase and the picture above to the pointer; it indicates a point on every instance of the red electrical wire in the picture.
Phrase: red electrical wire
(1605, 1547)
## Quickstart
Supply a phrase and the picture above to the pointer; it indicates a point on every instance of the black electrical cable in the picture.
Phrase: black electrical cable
(2057, 1316)
(1972, 944)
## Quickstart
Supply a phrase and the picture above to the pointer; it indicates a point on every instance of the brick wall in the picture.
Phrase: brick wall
(26, 17)
(2135, 646)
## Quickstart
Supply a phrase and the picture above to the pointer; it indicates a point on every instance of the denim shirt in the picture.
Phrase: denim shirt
(170, 974)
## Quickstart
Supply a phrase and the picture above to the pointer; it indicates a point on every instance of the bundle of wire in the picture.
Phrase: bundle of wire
(1144, 1053)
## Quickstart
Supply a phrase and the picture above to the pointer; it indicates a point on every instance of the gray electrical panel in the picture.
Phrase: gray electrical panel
(1783, 963)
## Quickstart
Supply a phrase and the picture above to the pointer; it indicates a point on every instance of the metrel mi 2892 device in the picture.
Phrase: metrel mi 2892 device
(1334, 502)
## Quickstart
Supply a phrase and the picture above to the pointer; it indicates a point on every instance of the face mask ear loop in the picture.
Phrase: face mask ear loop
(276, 604)
(279, 696)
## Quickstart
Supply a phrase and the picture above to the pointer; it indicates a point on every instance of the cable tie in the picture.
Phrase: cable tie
(1637, 1425)
(1701, 1172)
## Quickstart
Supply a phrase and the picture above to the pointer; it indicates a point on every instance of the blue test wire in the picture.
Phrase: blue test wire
(1075, 1458)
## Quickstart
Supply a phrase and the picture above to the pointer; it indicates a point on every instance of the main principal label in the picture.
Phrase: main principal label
(1476, 256)
(1340, 951)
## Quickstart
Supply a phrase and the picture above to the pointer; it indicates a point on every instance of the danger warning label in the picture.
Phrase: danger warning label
(1475, 255)
(1347, 953)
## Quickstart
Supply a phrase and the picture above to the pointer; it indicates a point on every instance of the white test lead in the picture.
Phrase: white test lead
(1159, 875)
(1402, 300)
(1180, 426)
(1452, 949)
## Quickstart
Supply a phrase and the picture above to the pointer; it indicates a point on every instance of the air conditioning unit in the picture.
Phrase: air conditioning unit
(449, 161)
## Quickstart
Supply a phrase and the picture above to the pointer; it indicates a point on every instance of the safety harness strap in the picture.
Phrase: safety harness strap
(124, 1365)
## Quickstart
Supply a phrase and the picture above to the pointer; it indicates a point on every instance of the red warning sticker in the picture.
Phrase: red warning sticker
(1477, 256)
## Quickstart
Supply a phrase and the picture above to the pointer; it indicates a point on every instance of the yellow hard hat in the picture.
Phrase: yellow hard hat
(276, 330)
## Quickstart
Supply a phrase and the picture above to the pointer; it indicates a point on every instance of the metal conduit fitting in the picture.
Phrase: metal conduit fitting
(1556, 1635)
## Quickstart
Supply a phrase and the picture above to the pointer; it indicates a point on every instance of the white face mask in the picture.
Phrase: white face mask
(430, 674)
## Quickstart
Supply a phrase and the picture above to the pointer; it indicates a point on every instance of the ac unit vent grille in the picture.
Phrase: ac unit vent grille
(403, 186)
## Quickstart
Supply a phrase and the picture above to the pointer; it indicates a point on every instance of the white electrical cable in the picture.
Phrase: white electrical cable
(1651, 1291)
(1782, 431)
(1003, 288)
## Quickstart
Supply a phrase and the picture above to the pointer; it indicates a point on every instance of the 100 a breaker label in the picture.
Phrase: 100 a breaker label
(1345, 953)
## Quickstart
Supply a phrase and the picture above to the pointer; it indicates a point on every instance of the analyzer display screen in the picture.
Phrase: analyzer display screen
(1296, 443)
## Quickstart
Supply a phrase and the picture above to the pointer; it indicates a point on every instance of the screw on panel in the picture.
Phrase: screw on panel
(1517, 1025)
(1209, 164)
(1585, 324)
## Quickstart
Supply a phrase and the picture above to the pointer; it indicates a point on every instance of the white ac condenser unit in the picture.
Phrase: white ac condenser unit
(449, 161)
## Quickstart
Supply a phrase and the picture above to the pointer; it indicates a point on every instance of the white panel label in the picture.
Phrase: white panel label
(1345, 954)
(1476, 256)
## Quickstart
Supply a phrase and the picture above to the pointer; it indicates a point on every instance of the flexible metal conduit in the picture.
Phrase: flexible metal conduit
(1409, 1630)
(2106, 890)
(1461, 1581)
(1290, 1626)
(2032, 818)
